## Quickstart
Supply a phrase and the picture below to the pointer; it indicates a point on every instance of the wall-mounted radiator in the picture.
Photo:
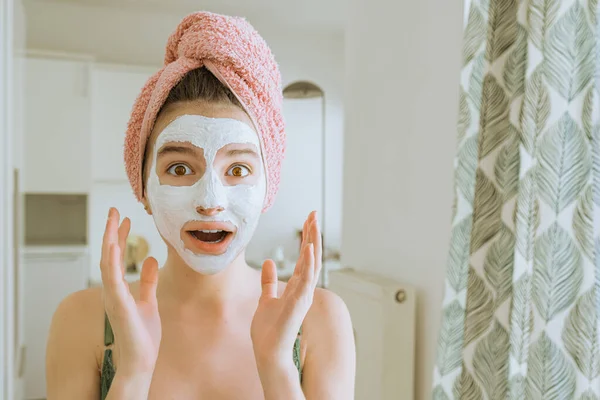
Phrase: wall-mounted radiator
(384, 318)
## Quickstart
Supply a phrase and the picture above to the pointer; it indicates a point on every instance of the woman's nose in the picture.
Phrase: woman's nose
(209, 211)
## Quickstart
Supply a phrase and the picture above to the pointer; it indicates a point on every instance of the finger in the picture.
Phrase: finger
(114, 283)
(296, 277)
(123, 233)
(108, 240)
(308, 271)
(111, 231)
(268, 280)
(149, 280)
(307, 225)
(318, 251)
(304, 233)
(312, 219)
(301, 262)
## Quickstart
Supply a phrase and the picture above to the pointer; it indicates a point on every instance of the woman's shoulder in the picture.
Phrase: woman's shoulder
(79, 321)
(326, 305)
(80, 306)
(327, 308)
(328, 336)
(75, 346)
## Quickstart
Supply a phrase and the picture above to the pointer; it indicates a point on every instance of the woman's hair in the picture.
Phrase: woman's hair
(200, 85)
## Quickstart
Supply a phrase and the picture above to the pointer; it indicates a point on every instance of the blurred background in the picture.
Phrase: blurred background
(370, 104)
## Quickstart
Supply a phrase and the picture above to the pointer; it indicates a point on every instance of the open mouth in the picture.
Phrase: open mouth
(210, 236)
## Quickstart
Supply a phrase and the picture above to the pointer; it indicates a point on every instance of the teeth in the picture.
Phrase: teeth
(211, 231)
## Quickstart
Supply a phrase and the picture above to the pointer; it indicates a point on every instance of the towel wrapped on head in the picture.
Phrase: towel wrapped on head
(232, 50)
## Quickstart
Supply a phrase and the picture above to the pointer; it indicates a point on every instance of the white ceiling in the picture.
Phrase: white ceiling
(321, 15)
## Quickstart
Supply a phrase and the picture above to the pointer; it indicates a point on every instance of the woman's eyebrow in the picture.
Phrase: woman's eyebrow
(176, 149)
(237, 152)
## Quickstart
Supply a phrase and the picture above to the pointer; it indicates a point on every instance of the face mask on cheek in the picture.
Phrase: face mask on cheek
(175, 206)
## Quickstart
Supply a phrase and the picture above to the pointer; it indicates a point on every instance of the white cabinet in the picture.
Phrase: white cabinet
(113, 92)
(57, 126)
(50, 274)
(75, 117)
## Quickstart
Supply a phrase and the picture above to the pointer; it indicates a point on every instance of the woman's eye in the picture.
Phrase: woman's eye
(179, 170)
(239, 171)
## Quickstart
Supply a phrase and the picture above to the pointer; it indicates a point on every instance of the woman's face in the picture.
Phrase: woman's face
(205, 183)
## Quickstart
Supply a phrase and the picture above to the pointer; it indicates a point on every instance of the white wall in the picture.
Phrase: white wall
(402, 76)
(138, 37)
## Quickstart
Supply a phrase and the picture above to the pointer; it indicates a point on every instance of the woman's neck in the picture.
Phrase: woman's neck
(181, 284)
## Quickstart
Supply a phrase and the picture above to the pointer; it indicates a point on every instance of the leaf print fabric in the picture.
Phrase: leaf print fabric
(521, 315)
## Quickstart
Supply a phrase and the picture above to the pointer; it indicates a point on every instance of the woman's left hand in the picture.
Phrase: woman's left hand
(277, 320)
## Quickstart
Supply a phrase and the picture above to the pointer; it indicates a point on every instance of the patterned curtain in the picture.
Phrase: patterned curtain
(521, 313)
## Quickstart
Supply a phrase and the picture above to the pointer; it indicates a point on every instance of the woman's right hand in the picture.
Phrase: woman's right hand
(135, 322)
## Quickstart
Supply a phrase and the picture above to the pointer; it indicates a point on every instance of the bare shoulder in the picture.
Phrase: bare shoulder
(75, 347)
(328, 314)
(81, 307)
(78, 323)
(82, 300)
(330, 361)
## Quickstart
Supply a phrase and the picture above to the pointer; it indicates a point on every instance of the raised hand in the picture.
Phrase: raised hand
(277, 320)
(135, 322)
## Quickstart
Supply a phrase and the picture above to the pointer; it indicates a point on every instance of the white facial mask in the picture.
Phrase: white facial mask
(174, 206)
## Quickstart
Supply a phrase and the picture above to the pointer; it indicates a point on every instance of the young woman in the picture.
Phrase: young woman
(203, 153)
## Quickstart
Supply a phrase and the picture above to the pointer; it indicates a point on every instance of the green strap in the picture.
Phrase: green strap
(107, 373)
(109, 337)
(297, 353)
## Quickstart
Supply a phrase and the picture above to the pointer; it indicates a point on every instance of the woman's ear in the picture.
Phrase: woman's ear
(146, 204)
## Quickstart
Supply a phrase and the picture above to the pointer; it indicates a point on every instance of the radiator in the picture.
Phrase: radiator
(383, 315)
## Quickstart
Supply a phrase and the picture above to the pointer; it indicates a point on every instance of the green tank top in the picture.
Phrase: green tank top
(107, 373)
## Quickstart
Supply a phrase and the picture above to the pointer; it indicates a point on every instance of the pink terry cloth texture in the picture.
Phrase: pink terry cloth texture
(239, 57)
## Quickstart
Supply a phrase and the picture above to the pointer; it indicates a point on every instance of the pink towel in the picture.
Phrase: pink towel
(239, 57)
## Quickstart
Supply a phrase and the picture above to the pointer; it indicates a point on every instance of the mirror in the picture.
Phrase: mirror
(303, 181)
(79, 66)
(75, 98)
